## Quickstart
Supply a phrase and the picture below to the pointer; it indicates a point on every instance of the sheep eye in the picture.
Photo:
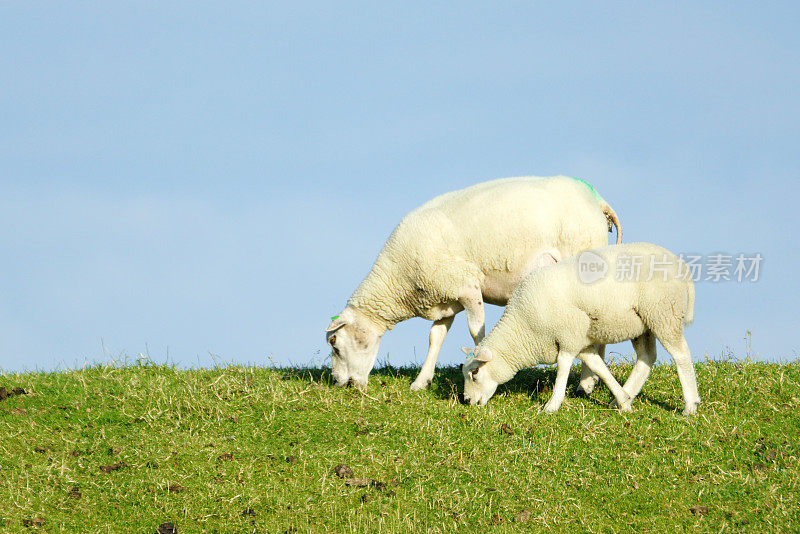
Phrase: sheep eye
(332, 340)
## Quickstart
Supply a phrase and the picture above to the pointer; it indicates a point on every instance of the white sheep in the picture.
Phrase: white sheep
(639, 291)
(456, 252)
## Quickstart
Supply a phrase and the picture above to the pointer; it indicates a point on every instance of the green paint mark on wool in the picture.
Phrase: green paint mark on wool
(587, 184)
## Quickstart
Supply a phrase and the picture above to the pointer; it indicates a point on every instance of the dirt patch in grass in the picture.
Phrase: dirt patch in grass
(699, 510)
(343, 471)
(113, 467)
(8, 392)
(523, 517)
(176, 488)
(357, 482)
(378, 485)
(37, 521)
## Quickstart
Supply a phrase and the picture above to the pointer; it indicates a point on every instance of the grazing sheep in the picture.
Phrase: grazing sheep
(456, 252)
(638, 291)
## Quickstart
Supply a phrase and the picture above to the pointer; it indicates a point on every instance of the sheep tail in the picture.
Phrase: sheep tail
(613, 220)
(611, 215)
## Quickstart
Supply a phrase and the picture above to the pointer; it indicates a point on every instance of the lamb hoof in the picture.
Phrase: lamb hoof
(691, 408)
(585, 387)
(419, 385)
(626, 407)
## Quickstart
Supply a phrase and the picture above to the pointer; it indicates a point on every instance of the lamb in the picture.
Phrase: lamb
(456, 252)
(639, 292)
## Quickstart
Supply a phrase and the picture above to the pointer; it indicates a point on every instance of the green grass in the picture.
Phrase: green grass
(207, 450)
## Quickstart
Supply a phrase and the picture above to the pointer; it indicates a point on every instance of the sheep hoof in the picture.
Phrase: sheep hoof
(550, 408)
(419, 385)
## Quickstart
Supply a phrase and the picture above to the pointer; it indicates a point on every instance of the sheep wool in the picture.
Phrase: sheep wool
(639, 292)
(462, 249)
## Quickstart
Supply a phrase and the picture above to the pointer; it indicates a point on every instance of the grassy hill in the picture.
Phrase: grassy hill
(241, 449)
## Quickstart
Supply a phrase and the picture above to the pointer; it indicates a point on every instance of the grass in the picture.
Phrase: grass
(243, 449)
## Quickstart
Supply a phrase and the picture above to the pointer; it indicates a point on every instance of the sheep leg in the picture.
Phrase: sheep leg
(593, 361)
(588, 378)
(645, 347)
(472, 301)
(683, 362)
(563, 364)
(438, 332)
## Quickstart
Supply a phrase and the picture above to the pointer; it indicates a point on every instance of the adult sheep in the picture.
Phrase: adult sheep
(456, 252)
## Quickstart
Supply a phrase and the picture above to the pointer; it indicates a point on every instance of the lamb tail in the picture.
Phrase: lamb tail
(689, 318)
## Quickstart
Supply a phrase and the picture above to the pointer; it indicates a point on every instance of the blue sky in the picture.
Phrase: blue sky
(209, 182)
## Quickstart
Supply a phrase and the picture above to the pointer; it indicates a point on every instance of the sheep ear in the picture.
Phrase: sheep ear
(466, 350)
(336, 323)
(545, 259)
(483, 355)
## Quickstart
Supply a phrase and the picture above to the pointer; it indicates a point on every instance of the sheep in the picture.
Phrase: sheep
(456, 252)
(566, 310)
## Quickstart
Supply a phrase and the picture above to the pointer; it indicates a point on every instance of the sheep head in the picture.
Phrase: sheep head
(354, 345)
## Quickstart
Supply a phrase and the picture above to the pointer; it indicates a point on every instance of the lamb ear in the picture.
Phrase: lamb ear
(336, 323)
(483, 355)
(466, 350)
